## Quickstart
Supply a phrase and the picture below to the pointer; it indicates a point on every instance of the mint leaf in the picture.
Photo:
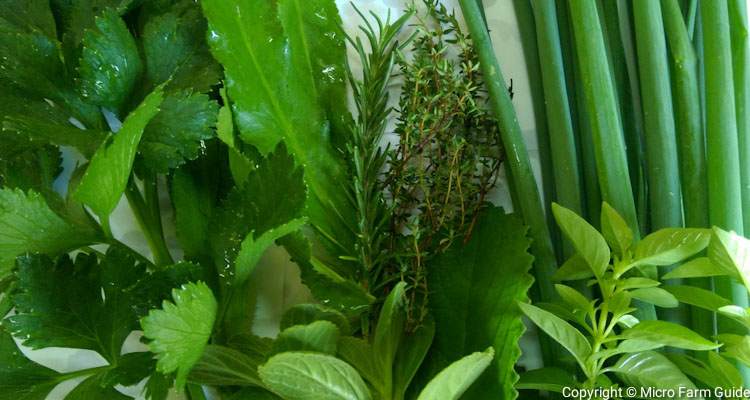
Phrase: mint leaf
(110, 64)
(27, 224)
(109, 169)
(179, 331)
(487, 276)
(248, 222)
(177, 133)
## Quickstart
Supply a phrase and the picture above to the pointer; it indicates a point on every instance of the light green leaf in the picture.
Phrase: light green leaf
(358, 353)
(92, 388)
(698, 297)
(736, 347)
(656, 296)
(389, 331)
(697, 268)
(27, 224)
(574, 298)
(731, 253)
(575, 268)
(562, 332)
(725, 369)
(303, 314)
(178, 132)
(669, 334)
(650, 370)
(312, 376)
(670, 245)
(110, 63)
(615, 230)
(587, 241)
(319, 336)
(636, 283)
(180, 331)
(736, 313)
(485, 277)
(620, 303)
(252, 248)
(222, 366)
(548, 379)
(699, 371)
(453, 381)
(108, 172)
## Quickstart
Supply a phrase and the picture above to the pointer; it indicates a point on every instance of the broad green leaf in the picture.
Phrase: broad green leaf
(700, 371)
(698, 297)
(671, 245)
(175, 49)
(636, 283)
(91, 388)
(319, 336)
(256, 347)
(21, 378)
(474, 291)
(656, 296)
(575, 268)
(452, 382)
(358, 353)
(562, 332)
(27, 224)
(312, 376)
(179, 331)
(30, 15)
(669, 334)
(110, 63)
(620, 303)
(615, 230)
(303, 314)
(736, 347)
(222, 366)
(736, 313)
(626, 346)
(725, 369)
(549, 379)
(730, 252)
(411, 353)
(563, 312)
(109, 169)
(388, 332)
(282, 67)
(697, 268)
(650, 370)
(178, 132)
(574, 298)
(247, 223)
(588, 243)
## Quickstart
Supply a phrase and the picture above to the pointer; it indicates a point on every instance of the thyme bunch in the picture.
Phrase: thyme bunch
(448, 154)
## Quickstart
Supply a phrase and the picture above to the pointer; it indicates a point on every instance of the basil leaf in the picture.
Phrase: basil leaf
(669, 334)
(650, 370)
(670, 245)
(452, 382)
(562, 332)
(615, 230)
(587, 241)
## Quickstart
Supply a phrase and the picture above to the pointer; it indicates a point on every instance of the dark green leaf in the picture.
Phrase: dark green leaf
(475, 289)
(319, 336)
(452, 382)
(222, 366)
(549, 379)
(303, 314)
(21, 378)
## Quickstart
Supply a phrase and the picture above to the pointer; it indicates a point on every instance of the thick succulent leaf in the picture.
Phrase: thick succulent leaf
(651, 370)
(110, 63)
(268, 54)
(39, 127)
(30, 15)
(271, 201)
(109, 169)
(312, 376)
(221, 365)
(671, 245)
(319, 336)
(27, 224)
(586, 240)
(21, 378)
(179, 131)
(179, 331)
(175, 49)
(452, 382)
(669, 334)
(253, 393)
(83, 305)
(358, 353)
(475, 289)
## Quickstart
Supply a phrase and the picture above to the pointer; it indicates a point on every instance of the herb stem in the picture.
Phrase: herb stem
(152, 232)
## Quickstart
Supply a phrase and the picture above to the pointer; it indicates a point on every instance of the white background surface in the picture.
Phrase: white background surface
(277, 279)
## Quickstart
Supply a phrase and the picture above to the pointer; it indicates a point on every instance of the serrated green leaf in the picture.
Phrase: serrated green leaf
(312, 376)
(178, 132)
(21, 378)
(110, 63)
(650, 370)
(668, 334)
(245, 214)
(452, 382)
(587, 241)
(27, 224)
(319, 336)
(656, 296)
(549, 379)
(615, 230)
(223, 366)
(179, 331)
(671, 245)
(485, 277)
(108, 172)
(303, 314)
